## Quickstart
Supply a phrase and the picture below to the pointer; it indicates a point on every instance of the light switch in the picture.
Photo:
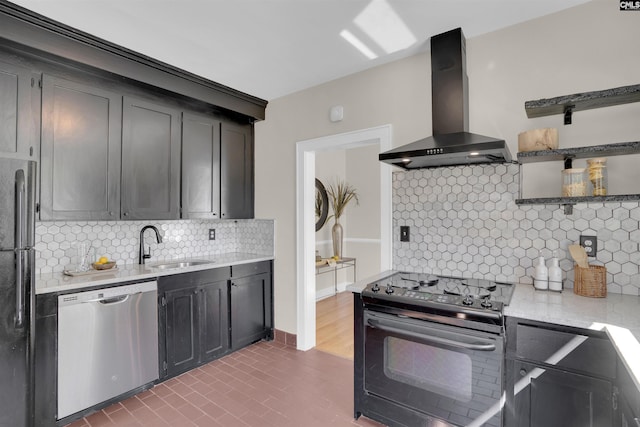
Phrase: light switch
(404, 233)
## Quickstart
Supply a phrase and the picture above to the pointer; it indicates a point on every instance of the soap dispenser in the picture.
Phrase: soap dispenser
(555, 275)
(541, 274)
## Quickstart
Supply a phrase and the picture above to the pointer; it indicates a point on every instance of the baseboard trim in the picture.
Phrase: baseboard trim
(329, 292)
(282, 337)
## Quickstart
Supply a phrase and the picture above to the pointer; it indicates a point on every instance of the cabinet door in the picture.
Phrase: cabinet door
(182, 337)
(80, 152)
(214, 320)
(15, 111)
(250, 298)
(150, 161)
(200, 167)
(236, 177)
(554, 398)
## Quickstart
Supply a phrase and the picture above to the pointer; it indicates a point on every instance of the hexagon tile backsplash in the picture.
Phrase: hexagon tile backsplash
(119, 240)
(464, 222)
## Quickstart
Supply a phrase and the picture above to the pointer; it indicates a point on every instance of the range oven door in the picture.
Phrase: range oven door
(450, 373)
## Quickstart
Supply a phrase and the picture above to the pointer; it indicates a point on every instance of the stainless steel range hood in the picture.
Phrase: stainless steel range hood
(451, 143)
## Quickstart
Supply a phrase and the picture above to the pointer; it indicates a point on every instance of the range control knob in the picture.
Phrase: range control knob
(389, 289)
(486, 303)
(375, 288)
(468, 300)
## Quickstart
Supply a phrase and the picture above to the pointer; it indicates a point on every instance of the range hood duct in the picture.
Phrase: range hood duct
(452, 143)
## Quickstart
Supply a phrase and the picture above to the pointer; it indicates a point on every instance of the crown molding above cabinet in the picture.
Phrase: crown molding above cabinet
(26, 28)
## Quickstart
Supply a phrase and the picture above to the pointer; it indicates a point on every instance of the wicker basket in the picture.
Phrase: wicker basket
(590, 282)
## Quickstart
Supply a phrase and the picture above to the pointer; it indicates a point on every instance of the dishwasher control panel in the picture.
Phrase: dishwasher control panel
(107, 293)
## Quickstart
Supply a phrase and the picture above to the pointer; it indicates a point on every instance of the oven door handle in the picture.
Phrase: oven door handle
(477, 346)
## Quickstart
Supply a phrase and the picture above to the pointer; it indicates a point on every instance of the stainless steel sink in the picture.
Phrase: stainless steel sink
(179, 264)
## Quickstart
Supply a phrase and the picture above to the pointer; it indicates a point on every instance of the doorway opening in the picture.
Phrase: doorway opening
(305, 218)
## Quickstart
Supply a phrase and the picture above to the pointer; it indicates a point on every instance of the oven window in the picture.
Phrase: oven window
(445, 372)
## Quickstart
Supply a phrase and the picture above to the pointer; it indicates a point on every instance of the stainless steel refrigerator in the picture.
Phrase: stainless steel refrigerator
(17, 291)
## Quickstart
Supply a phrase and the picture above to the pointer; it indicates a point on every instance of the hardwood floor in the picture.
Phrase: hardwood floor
(334, 325)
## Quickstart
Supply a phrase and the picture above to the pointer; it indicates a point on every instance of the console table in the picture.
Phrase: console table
(341, 264)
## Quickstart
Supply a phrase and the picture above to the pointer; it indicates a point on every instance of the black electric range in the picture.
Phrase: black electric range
(472, 299)
(422, 344)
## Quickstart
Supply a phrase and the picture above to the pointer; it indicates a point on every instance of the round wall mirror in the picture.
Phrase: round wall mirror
(322, 205)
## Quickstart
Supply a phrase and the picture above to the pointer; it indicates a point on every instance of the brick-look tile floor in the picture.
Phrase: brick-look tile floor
(266, 384)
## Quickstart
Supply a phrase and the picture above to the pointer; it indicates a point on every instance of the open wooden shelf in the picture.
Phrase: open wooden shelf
(575, 200)
(567, 155)
(605, 150)
(567, 104)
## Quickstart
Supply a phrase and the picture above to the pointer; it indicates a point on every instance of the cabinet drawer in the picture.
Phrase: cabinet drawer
(194, 278)
(244, 270)
(568, 350)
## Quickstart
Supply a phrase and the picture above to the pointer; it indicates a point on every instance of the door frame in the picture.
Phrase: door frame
(305, 219)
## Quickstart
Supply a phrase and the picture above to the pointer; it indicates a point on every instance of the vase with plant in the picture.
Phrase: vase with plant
(340, 194)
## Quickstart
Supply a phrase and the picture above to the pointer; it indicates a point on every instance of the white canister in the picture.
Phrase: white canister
(541, 275)
(555, 275)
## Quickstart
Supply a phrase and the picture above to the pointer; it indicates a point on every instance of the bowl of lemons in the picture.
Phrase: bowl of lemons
(103, 263)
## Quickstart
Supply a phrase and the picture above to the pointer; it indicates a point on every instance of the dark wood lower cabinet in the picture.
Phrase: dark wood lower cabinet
(181, 325)
(206, 314)
(563, 399)
(251, 306)
(197, 327)
(559, 376)
(214, 321)
(249, 297)
(194, 319)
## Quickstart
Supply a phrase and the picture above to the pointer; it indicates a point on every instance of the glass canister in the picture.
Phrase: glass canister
(597, 169)
(574, 183)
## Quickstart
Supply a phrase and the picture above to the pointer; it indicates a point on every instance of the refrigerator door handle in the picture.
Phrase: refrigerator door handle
(20, 194)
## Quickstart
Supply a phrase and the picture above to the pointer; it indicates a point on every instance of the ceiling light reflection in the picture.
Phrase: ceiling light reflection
(380, 22)
(348, 36)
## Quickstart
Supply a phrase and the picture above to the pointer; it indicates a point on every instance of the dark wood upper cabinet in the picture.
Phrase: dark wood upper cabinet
(200, 167)
(15, 111)
(80, 151)
(150, 160)
(236, 176)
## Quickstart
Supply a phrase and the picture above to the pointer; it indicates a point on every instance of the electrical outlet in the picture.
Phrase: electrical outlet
(212, 234)
(404, 233)
(590, 245)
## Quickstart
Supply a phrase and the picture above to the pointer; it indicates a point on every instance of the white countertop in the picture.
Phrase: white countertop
(617, 315)
(58, 282)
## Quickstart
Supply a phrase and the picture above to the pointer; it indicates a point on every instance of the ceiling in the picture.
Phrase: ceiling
(271, 48)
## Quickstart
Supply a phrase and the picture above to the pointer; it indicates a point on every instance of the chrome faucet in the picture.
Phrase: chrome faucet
(142, 255)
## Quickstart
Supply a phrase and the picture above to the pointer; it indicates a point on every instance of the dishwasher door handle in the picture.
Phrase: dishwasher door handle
(112, 300)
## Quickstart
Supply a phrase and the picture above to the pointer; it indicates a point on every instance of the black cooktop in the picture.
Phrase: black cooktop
(423, 289)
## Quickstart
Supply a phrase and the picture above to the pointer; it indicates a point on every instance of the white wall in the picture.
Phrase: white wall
(585, 48)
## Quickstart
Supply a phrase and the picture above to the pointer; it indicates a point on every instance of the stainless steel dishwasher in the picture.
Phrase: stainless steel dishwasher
(107, 344)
